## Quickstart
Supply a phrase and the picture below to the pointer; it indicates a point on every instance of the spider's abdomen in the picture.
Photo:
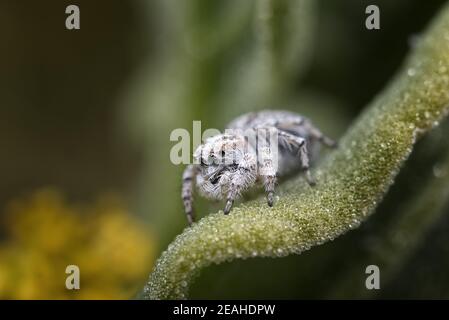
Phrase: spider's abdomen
(288, 121)
(265, 118)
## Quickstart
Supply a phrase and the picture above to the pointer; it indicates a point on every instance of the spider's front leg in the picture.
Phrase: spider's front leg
(244, 177)
(236, 187)
(188, 185)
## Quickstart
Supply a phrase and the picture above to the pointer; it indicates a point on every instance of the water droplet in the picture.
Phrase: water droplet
(411, 72)
(439, 171)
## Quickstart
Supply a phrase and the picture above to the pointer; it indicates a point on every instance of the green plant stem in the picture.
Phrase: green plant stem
(395, 244)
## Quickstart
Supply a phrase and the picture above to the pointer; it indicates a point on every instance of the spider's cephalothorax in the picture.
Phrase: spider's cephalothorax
(258, 146)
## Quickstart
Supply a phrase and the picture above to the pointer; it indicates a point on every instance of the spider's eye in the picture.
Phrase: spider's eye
(223, 153)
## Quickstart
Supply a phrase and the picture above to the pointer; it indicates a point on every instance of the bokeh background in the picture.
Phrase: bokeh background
(85, 119)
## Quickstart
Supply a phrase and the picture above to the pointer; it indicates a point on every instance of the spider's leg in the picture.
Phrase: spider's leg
(267, 164)
(229, 203)
(241, 181)
(269, 182)
(313, 131)
(236, 187)
(317, 134)
(188, 185)
(301, 143)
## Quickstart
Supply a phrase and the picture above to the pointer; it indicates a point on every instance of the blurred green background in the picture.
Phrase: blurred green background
(85, 119)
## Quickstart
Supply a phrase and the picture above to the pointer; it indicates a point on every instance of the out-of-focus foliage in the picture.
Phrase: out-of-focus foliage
(44, 234)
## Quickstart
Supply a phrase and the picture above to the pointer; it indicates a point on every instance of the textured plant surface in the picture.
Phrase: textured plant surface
(351, 181)
(409, 226)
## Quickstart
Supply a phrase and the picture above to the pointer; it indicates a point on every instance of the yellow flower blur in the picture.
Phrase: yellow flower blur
(41, 235)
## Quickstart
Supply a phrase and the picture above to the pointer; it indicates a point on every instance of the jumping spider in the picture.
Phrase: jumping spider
(228, 164)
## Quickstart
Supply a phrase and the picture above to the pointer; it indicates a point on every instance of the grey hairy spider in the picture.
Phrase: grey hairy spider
(228, 164)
